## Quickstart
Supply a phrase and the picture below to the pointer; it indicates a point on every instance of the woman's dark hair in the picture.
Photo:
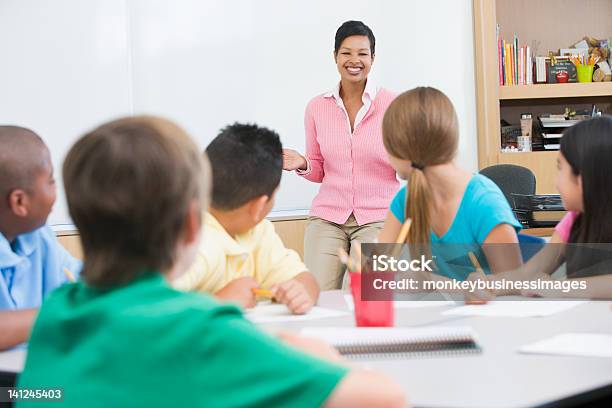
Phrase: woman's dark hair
(587, 147)
(350, 28)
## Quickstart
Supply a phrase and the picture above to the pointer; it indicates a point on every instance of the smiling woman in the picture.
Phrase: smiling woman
(345, 153)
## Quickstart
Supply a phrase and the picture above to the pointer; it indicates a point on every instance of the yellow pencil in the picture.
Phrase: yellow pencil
(358, 253)
(69, 275)
(480, 271)
(263, 293)
(475, 262)
(348, 261)
(401, 238)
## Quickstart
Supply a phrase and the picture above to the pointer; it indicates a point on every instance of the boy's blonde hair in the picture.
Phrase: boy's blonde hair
(129, 185)
(421, 125)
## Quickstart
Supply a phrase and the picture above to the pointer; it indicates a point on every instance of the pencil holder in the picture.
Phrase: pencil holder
(585, 73)
(370, 313)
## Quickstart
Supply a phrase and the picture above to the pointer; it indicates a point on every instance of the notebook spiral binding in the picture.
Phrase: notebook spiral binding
(429, 347)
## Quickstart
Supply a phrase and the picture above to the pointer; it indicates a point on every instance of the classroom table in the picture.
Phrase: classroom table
(498, 377)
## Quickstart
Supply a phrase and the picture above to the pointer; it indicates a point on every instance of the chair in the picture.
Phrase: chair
(530, 245)
(511, 179)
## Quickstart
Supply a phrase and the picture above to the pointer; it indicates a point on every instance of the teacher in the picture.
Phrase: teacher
(345, 153)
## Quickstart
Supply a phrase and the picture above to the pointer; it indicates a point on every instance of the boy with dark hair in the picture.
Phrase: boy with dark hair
(242, 251)
(32, 262)
(136, 189)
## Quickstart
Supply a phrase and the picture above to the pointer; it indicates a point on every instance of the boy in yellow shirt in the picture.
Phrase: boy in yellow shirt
(242, 250)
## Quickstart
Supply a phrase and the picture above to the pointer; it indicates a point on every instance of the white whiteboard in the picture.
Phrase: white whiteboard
(68, 65)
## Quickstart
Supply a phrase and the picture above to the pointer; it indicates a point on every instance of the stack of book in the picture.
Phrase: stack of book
(515, 62)
(544, 210)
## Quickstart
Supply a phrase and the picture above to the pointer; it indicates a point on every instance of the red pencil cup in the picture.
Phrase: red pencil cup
(371, 313)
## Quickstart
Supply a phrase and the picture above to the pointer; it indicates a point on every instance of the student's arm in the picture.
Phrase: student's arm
(207, 273)
(268, 372)
(390, 230)
(364, 388)
(239, 291)
(597, 287)
(543, 263)
(358, 388)
(502, 257)
(299, 294)
(281, 270)
(15, 327)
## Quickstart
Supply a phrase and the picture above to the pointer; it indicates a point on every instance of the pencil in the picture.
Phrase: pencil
(69, 275)
(480, 271)
(263, 293)
(475, 262)
(401, 238)
(351, 265)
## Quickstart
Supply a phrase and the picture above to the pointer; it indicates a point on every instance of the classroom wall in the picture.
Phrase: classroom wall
(68, 65)
(291, 232)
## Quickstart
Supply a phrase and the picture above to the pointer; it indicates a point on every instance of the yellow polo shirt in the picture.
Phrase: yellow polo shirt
(259, 253)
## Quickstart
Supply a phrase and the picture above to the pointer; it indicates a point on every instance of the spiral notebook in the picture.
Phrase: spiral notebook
(368, 342)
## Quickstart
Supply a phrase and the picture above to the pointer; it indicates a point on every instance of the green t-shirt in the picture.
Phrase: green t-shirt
(146, 344)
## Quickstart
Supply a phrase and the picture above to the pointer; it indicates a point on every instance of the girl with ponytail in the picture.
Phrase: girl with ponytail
(449, 207)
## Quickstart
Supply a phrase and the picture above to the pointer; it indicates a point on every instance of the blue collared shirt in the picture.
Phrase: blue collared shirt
(31, 267)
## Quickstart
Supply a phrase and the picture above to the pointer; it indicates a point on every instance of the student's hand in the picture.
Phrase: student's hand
(548, 293)
(314, 347)
(478, 296)
(294, 295)
(239, 291)
(292, 160)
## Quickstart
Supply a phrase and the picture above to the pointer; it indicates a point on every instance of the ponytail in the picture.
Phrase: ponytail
(421, 126)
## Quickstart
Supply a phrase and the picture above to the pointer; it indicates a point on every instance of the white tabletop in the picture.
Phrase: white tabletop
(12, 361)
(499, 377)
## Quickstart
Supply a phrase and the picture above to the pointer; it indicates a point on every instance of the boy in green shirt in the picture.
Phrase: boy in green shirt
(136, 189)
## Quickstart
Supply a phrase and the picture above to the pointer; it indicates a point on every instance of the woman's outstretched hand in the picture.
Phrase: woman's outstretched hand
(292, 160)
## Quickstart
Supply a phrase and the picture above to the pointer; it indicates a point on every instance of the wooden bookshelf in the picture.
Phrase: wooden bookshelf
(544, 25)
(541, 91)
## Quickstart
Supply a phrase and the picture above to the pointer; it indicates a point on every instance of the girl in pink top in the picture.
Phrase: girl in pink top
(345, 153)
(584, 181)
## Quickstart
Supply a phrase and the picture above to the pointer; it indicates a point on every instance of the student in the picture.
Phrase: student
(32, 262)
(452, 211)
(583, 181)
(122, 336)
(243, 251)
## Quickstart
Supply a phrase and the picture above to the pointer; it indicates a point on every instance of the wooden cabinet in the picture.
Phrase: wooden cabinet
(543, 25)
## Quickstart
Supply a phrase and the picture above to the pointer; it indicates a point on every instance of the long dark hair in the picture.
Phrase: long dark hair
(587, 147)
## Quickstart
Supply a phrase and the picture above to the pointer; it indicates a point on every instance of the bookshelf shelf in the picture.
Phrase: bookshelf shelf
(543, 91)
(548, 154)
(544, 25)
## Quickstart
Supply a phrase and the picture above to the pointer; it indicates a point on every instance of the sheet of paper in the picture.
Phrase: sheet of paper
(515, 308)
(12, 361)
(266, 312)
(573, 344)
(405, 304)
